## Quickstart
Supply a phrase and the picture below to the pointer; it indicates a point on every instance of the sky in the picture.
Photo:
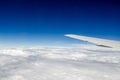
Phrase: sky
(44, 22)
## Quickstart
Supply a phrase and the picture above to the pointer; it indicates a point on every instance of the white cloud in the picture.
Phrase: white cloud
(59, 63)
(13, 52)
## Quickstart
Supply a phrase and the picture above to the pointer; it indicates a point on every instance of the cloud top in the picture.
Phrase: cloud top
(59, 63)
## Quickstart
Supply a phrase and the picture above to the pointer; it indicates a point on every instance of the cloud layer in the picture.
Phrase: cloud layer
(59, 63)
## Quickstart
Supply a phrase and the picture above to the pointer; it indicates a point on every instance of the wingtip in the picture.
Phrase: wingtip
(68, 34)
(65, 34)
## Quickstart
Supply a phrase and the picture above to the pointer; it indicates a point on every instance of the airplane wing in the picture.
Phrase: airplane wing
(97, 41)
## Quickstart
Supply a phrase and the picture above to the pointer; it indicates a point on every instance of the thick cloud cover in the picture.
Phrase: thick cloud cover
(60, 63)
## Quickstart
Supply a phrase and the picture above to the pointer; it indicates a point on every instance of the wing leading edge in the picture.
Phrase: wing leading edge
(97, 41)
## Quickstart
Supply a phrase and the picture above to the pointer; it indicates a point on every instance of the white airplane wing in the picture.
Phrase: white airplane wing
(97, 41)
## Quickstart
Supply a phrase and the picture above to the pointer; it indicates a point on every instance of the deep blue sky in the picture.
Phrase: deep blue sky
(44, 22)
